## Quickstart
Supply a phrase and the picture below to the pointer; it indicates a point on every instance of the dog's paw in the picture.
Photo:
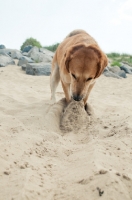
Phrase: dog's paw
(89, 109)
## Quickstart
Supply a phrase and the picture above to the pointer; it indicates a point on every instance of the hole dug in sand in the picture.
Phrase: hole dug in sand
(75, 117)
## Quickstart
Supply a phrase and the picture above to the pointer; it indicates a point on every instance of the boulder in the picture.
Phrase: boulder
(126, 69)
(122, 74)
(15, 54)
(114, 69)
(126, 65)
(115, 72)
(47, 52)
(27, 48)
(111, 74)
(105, 69)
(2, 46)
(38, 56)
(25, 53)
(24, 60)
(3, 53)
(33, 50)
(8, 51)
(38, 69)
(6, 60)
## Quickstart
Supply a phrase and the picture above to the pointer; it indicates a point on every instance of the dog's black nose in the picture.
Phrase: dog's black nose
(77, 97)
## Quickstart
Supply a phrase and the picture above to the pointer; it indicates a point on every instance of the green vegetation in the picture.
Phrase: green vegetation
(118, 58)
(31, 41)
(37, 60)
(116, 63)
(52, 47)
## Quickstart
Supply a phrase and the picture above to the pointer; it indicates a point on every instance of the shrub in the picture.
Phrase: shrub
(52, 47)
(113, 55)
(118, 58)
(31, 41)
(115, 63)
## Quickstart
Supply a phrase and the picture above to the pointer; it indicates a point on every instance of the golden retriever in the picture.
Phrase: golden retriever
(78, 62)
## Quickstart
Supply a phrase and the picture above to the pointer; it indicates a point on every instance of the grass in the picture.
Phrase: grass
(117, 58)
(116, 63)
(52, 47)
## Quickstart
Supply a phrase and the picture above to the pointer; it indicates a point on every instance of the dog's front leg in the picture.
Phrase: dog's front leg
(88, 93)
(86, 105)
(54, 81)
(66, 88)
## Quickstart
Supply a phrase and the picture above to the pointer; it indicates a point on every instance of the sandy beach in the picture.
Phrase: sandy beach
(39, 161)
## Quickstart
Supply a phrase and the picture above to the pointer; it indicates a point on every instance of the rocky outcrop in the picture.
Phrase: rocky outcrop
(33, 60)
(24, 60)
(27, 48)
(127, 69)
(114, 72)
(111, 74)
(38, 56)
(46, 52)
(38, 69)
(6, 60)
(114, 69)
(122, 74)
(16, 54)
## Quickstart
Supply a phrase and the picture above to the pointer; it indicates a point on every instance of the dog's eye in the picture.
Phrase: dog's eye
(88, 79)
(74, 76)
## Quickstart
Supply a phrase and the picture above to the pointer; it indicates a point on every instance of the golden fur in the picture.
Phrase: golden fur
(78, 62)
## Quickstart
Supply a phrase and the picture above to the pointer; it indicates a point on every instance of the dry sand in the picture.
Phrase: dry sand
(90, 156)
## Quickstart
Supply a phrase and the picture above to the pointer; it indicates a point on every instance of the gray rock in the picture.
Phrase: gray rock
(114, 69)
(3, 53)
(25, 53)
(126, 69)
(47, 52)
(111, 74)
(38, 69)
(122, 74)
(8, 51)
(39, 56)
(15, 54)
(6, 60)
(24, 60)
(2, 46)
(24, 67)
(27, 48)
(126, 65)
(33, 50)
(106, 69)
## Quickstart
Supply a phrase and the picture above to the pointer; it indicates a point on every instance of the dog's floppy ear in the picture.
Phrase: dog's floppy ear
(69, 54)
(103, 61)
(102, 64)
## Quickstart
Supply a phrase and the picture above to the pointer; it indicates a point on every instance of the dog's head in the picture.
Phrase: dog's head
(85, 64)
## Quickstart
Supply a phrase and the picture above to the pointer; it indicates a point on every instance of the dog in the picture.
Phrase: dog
(78, 62)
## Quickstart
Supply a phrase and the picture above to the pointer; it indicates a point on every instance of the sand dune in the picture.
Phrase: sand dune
(38, 160)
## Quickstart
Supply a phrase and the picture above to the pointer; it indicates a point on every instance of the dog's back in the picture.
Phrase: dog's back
(74, 38)
(75, 32)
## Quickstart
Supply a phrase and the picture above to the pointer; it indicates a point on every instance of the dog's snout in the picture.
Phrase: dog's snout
(77, 97)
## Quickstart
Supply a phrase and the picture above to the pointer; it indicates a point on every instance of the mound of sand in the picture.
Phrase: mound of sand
(74, 118)
(90, 157)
